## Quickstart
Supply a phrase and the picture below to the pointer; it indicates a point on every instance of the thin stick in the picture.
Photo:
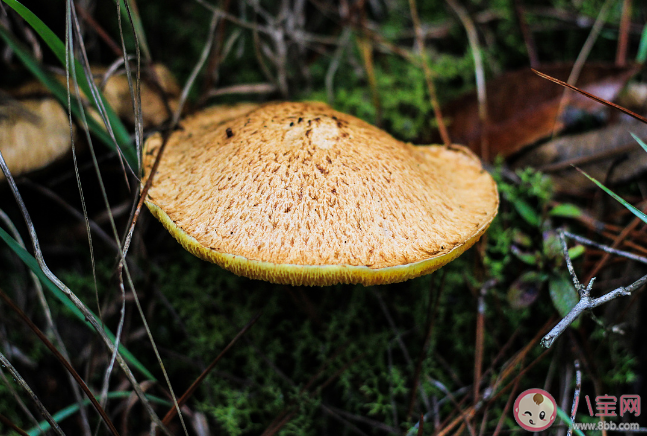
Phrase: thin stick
(366, 50)
(465, 415)
(591, 96)
(581, 60)
(499, 424)
(398, 337)
(586, 302)
(203, 58)
(18, 378)
(61, 359)
(623, 38)
(421, 425)
(175, 120)
(616, 242)
(425, 346)
(100, 31)
(473, 39)
(75, 300)
(172, 411)
(51, 326)
(13, 426)
(420, 42)
(19, 401)
(215, 58)
(586, 241)
(248, 88)
(576, 395)
(334, 64)
(478, 347)
(72, 211)
(528, 39)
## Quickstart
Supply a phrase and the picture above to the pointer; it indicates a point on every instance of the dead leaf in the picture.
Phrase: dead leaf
(522, 107)
(610, 155)
(525, 289)
(33, 133)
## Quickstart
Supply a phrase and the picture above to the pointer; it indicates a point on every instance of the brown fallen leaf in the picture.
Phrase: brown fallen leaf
(523, 107)
(610, 154)
(33, 133)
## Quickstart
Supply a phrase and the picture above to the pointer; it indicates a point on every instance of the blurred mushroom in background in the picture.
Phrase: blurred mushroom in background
(33, 133)
(156, 86)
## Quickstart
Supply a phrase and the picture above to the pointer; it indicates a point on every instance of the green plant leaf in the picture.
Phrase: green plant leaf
(563, 295)
(576, 251)
(639, 141)
(56, 45)
(31, 262)
(619, 199)
(527, 212)
(566, 210)
(531, 259)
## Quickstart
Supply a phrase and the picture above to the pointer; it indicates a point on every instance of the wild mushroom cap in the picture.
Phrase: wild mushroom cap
(116, 90)
(33, 134)
(300, 194)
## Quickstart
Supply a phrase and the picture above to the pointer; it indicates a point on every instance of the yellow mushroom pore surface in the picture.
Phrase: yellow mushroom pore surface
(301, 184)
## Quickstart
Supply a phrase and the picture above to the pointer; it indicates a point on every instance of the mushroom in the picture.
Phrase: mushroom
(300, 194)
(154, 112)
(33, 133)
(117, 93)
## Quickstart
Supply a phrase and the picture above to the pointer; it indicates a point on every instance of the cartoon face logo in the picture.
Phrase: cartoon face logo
(535, 410)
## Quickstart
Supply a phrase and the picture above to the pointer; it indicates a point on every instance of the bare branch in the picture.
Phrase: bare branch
(604, 248)
(586, 302)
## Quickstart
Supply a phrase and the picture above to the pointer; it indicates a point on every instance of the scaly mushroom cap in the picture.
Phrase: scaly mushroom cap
(33, 134)
(298, 193)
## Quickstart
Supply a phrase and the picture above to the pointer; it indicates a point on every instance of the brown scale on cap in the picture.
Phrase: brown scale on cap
(298, 193)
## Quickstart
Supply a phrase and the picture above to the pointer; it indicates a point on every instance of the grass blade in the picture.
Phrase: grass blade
(641, 57)
(567, 420)
(72, 409)
(62, 360)
(41, 408)
(639, 141)
(135, 18)
(619, 199)
(29, 260)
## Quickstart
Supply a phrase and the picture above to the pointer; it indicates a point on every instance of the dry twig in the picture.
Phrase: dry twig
(586, 302)
(576, 395)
